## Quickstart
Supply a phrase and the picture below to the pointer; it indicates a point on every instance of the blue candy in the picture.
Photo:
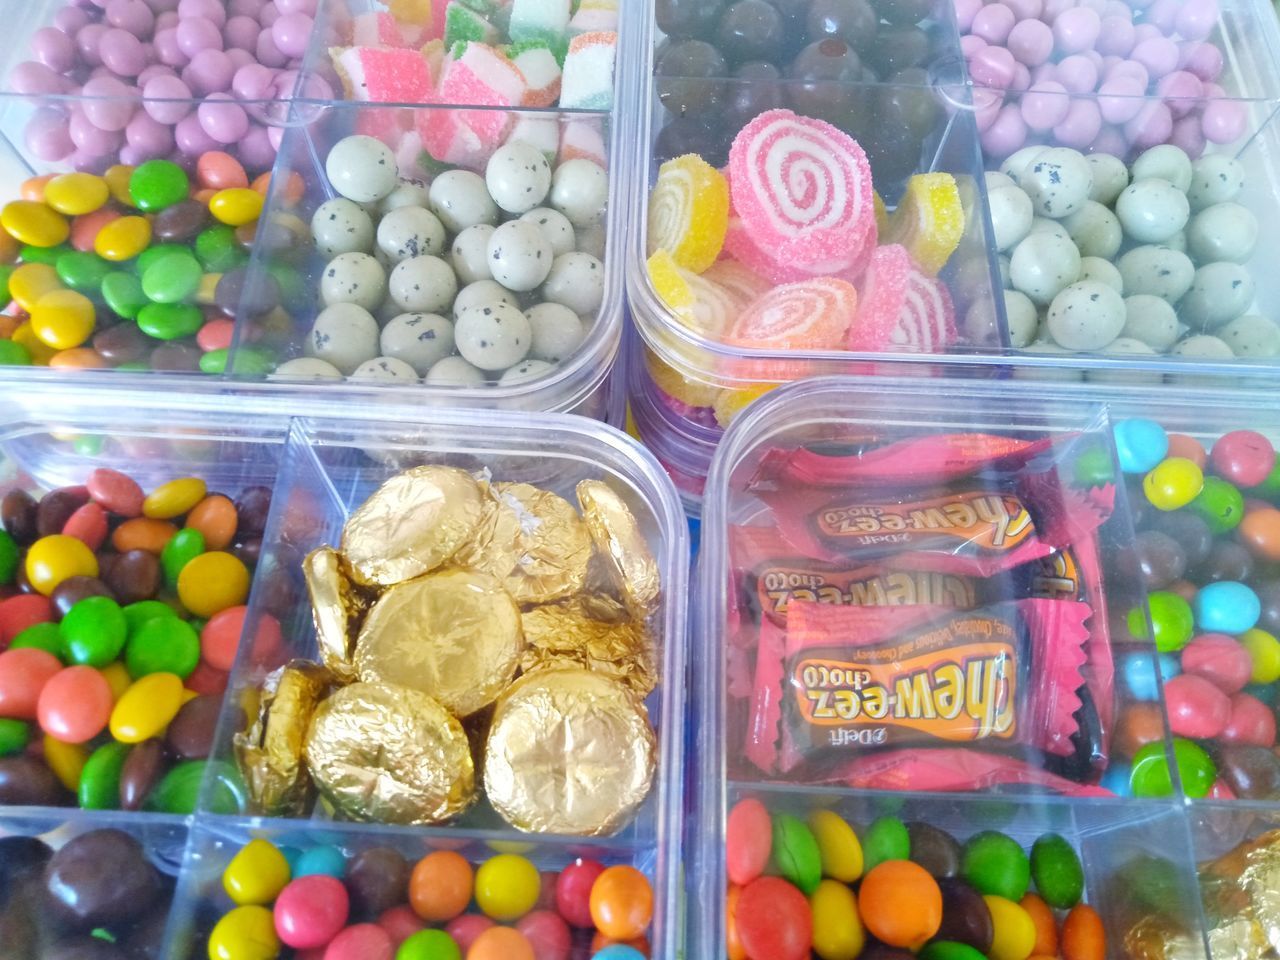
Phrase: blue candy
(1140, 444)
(322, 859)
(1226, 607)
(1116, 779)
(1138, 670)
(618, 951)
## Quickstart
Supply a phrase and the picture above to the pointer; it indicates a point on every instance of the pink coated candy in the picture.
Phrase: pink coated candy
(1044, 72)
(992, 67)
(1252, 722)
(223, 119)
(258, 150)
(167, 99)
(547, 934)
(401, 923)
(1146, 31)
(1080, 127)
(1021, 78)
(269, 14)
(108, 107)
(166, 19)
(1188, 135)
(364, 941)
(1152, 126)
(1180, 90)
(87, 40)
(1007, 132)
(212, 10)
(297, 6)
(133, 16)
(966, 10)
(986, 107)
(1220, 659)
(1045, 106)
(1110, 139)
(1202, 59)
(210, 71)
(1078, 74)
(241, 32)
(1026, 9)
(32, 78)
(1197, 708)
(1132, 69)
(239, 58)
(573, 886)
(148, 136)
(198, 33)
(54, 49)
(310, 911)
(252, 82)
(167, 49)
(191, 138)
(1120, 99)
(993, 23)
(1223, 121)
(122, 53)
(466, 928)
(970, 44)
(1031, 42)
(1076, 29)
(1116, 36)
(1161, 15)
(152, 71)
(1054, 9)
(1196, 19)
(1159, 55)
(292, 31)
(269, 54)
(70, 19)
(47, 135)
(244, 8)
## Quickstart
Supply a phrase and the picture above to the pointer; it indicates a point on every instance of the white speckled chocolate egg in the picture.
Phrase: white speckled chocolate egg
(1177, 242)
(1202, 347)
(1150, 320)
(1086, 316)
(353, 278)
(591, 240)
(557, 331)
(480, 293)
(1058, 182)
(526, 370)
(410, 232)
(460, 198)
(1050, 226)
(1095, 230)
(1003, 268)
(1103, 271)
(555, 226)
(995, 180)
(1251, 336)
(385, 369)
(580, 190)
(345, 335)
(518, 177)
(419, 339)
(1020, 313)
(470, 253)
(1224, 231)
(341, 226)
(362, 169)
(1165, 162)
(1157, 270)
(306, 368)
(1128, 346)
(1219, 292)
(1110, 176)
(1215, 178)
(1153, 210)
(519, 255)
(1015, 165)
(423, 285)
(408, 193)
(493, 337)
(1010, 216)
(1043, 264)
(455, 372)
(577, 281)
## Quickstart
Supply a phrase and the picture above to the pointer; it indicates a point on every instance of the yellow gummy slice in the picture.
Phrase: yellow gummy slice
(674, 384)
(881, 212)
(413, 12)
(689, 212)
(730, 403)
(929, 220)
(669, 283)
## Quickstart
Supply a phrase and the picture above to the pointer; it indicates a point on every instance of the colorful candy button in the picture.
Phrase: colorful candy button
(256, 874)
(147, 707)
(74, 194)
(245, 933)
(507, 887)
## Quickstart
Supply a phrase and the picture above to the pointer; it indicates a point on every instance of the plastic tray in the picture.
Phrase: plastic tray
(320, 469)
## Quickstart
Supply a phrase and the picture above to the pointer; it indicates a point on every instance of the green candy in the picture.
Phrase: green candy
(88, 444)
(215, 361)
(170, 321)
(173, 278)
(135, 366)
(151, 255)
(94, 631)
(1057, 872)
(1152, 882)
(429, 945)
(157, 184)
(6, 271)
(950, 950)
(8, 557)
(46, 255)
(162, 645)
(1171, 619)
(122, 292)
(886, 839)
(14, 354)
(136, 614)
(1219, 504)
(100, 779)
(293, 286)
(41, 636)
(183, 547)
(795, 851)
(14, 735)
(1269, 488)
(1150, 775)
(1093, 468)
(178, 790)
(82, 271)
(218, 249)
(995, 864)
(253, 362)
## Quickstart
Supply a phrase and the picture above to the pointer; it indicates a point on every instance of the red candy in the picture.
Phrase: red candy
(774, 921)
(547, 934)
(1189, 448)
(467, 928)
(116, 492)
(205, 680)
(23, 675)
(748, 841)
(1220, 659)
(1244, 457)
(88, 525)
(18, 613)
(216, 334)
(364, 941)
(1251, 722)
(573, 891)
(75, 704)
(310, 911)
(1197, 709)
(401, 923)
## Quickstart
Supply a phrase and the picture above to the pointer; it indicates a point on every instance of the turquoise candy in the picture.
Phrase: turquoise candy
(1226, 607)
(8, 557)
(1140, 444)
(157, 184)
(886, 839)
(1150, 776)
(1219, 504)
(170, 321)
(324, 859)
(183, 547)
(82, 271)
(795, 851)
(94, 631)
(14, 354)
(1171, 619)
(14, 735)
(218, 250)
(100, 779)
(122, 292)
(41, 636)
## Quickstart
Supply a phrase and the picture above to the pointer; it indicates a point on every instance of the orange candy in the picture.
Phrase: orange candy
(1260, 532)
(143, 533)
(639, 944)
(621, 903)
(85, 228)
(23, 674)
(1083, 937)
(736, 950)
(501, 943)
(293, 191)
(440, 886)
(220, 171)
(215, 517)
(33, 188)
(77, 358)
(1181, 445)
(1140, 724)
(900, 904)
(1046, 924)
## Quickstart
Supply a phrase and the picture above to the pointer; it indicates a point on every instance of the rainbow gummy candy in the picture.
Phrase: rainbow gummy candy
(929, 220)
(588, 71)
(689, 212)
(809, 315)
(902, 309)
(383, 74)
(535, 60)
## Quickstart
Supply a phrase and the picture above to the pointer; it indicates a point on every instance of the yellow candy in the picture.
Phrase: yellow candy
(256, 874)
(1014, 931)
(414, 12)
(730, 403)
(208, 287)
(212, 582)
(507, 887)
(34, 223)
(118, 679)
(123, 239)
(837, 929)
(76, 193)
(63, 319)
(669, 283)
(511, 846)
(929, 220)
(838, 844)
(236, 206)
(66, 760)
(1264, 649)
(246, 933)
(174, 498)
(31, 281)
(146, 708)
(117, 180)
(40, 351)
(672, 382)
(689, 212)
(54, 558)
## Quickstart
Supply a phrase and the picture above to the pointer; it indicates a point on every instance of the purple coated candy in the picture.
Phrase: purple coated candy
(1025, 9)
(1079, 128)
(240, 58)
(292, 31)
(122, 53)
(244, 8)
(257, 152)
(1076, 29)
(1046, 71)
(210, 71)
(1223, 121)
(970, 44)
(47, 135)
(1131, 69)
(112, 113)
(54, 49)
(198, 33)
(987, 104)
(1054, 9)
(1196, 19)
(222, 118)
(1109, 140)
(1120, 99)
(70, 19)
(1161, 15)
(1021, 78)
(163, 6)
(1150, 127)
(1031, 42)
(1188, 134)
(992, 67)
(1159, 55)
(168, 50)
(151, 72)
(148, 136)
(269, 54)
(297, 6)
(1116, 36)
(89, 138)
(133, 16)
(241, 32)
(1078, 73)
(269, 14)
(1180, 90)
(1146, 31)
(1202, 59)
(211, 10)
(191, 137)
(95, 162)
(993, 23)
(170, 89)
(34, 78)
(167, 20)
(252, 82)
(87, 41)
(1006, 134)
(1045, 106)
(965, 12)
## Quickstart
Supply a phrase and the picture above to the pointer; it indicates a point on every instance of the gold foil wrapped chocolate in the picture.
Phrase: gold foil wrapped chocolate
(618, 538)
(386, 753)
(1241, 894)
(594, 632)
(570, 751)
(337, 607)
(412, 524)
(270, 751)
(454, 635)
(1162, 938)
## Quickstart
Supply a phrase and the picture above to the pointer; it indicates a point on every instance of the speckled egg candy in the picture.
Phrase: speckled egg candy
(1043, 265)
(419, 339)
(469, 254)
(345, 335)
(1156, 270)
(1219, 292)
(460, 199)
(1152, 210)
(555, 226)
(1223, 231)
(1251, 336)
(361, 169)
(1110, 177)
(423, 285)
(577, 281)
(580, 190)
(341, 226)
(408, 193)
(519, 255)
(526, 370)
(1215, 178)
(1202, 347)
(306, 368)
(557, 331)
(1150, 320)
(1011, 215)
(353, 278)
(1058, 182)
(1166, 162)
(1103, 271)
(518, 177)
(385, 369)
(493, 337)
(410, 232)
(1086, 316)
(455, 372)
(1095, 230)
(482, 293)
(1021, 317)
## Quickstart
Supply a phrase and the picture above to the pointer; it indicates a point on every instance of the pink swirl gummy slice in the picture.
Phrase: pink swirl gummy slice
(481, 76)
(902, 309)
(809, 315)
(741, 246)
(802, 188)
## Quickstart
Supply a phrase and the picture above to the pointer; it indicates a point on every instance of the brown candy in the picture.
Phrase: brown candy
(74, 589)
(25, 781)
(100, 877)
(180, 222)
(377, 880)
(190, 734)
(18, 515)
(140, 773)
(252, 507)
(122, 343)
(56, 507)
(135, 575)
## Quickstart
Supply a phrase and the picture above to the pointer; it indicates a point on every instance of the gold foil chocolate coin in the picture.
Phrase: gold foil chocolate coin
(618, 538)
(337, 608)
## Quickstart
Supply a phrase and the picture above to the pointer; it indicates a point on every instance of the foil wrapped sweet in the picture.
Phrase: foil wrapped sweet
(625, 551)
(1241, 894)
(594, 632)
(569, 751)
(391, 754)
(337, 609)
